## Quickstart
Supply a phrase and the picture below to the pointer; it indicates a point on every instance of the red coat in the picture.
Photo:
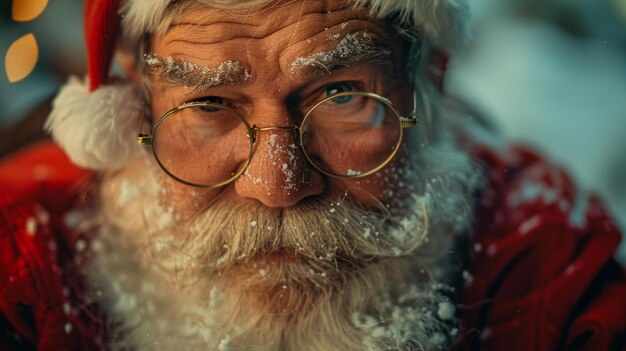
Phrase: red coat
(540, 271)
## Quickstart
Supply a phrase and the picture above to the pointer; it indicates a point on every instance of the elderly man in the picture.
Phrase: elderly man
(296, 185)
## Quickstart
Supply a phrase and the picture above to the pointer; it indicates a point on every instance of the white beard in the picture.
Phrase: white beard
(207, 289)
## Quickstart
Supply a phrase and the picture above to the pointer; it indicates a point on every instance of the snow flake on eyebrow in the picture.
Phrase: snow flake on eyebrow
(189, 74)
(352, 48)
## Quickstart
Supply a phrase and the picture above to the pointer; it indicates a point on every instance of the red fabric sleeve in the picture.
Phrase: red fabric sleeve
(542, 270)
(41, 298)
(39, 173)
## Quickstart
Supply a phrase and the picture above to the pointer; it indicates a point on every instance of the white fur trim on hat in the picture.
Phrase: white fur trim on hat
(98, 130)
(444, 22)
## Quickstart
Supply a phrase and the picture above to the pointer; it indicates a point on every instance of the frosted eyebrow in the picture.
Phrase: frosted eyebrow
(353, 48)
(200, 78)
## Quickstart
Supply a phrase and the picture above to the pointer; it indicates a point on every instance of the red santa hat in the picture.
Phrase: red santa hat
(96, 120)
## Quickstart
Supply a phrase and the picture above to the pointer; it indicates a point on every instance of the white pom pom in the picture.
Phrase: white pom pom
(98, 130)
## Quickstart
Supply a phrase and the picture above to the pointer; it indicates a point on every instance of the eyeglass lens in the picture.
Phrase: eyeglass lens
(350, 135)
(202, 145)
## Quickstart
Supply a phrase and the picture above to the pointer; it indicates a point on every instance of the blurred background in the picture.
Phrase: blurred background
(59, 37)
(551, 74)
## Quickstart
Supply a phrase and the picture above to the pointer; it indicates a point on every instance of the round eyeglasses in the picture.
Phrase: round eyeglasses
(345, 135)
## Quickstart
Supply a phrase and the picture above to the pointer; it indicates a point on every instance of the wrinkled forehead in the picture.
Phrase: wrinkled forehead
(279, 36)
(291, 20)
(266, 15)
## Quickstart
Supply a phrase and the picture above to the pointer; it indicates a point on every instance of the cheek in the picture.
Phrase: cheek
(370, 191)
(384, 186)
(185, 201)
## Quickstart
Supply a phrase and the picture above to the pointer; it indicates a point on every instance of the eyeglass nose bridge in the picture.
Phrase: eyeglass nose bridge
(255, 129)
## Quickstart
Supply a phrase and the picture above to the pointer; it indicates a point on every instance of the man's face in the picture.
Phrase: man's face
(281, 215)
(271, 81)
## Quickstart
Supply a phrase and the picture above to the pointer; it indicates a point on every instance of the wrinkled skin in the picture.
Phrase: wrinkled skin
(276, 93)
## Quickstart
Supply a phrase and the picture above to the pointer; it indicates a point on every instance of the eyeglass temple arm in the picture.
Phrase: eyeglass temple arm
(411, 120)
(142, 138)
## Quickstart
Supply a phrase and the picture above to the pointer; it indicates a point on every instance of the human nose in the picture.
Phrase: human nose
(278, 174)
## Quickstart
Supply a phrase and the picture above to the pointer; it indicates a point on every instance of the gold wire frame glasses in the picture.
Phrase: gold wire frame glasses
(345, 135)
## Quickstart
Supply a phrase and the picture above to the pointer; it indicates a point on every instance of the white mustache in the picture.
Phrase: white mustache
(324, 233)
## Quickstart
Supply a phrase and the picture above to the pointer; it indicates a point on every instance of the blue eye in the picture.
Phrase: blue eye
(339, 88)
(211, 99)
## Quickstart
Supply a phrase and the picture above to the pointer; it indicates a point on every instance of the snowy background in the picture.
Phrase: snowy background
(551, 74)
